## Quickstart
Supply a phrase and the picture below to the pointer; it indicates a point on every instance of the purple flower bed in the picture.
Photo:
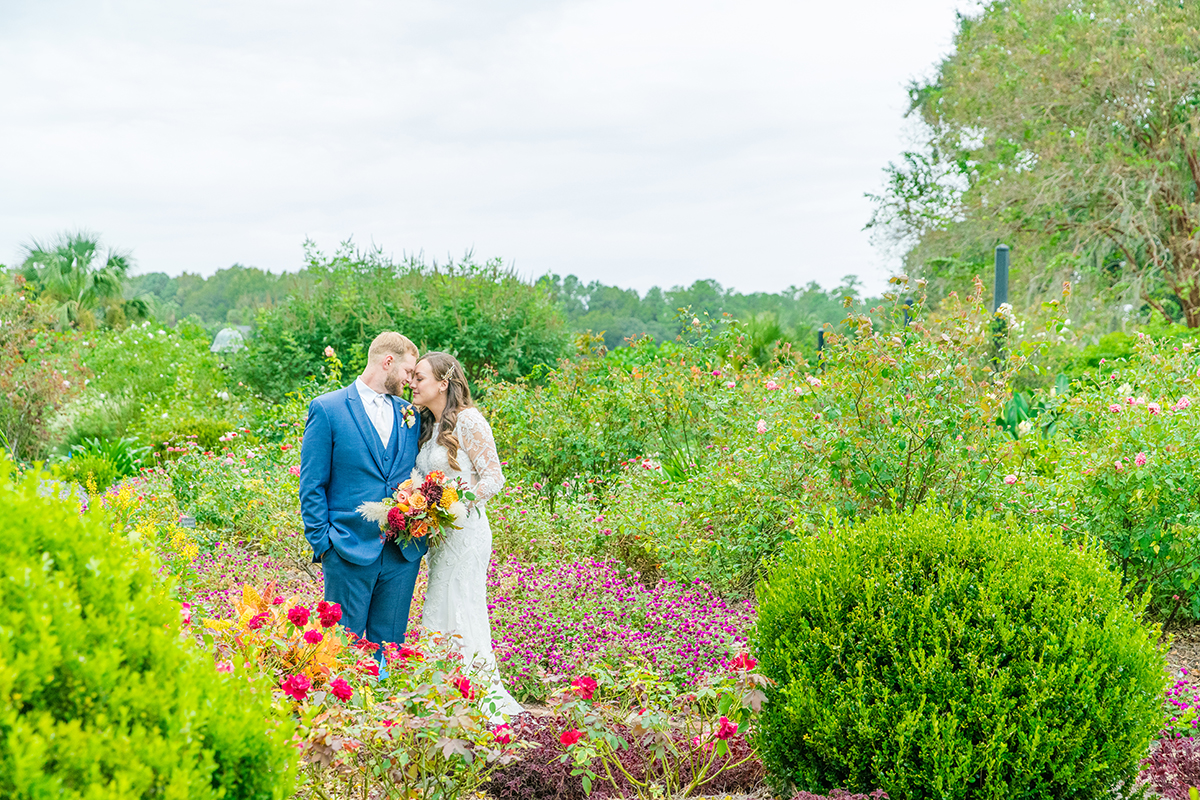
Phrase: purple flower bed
(218, 577)
(1183, 697)
(562, 619)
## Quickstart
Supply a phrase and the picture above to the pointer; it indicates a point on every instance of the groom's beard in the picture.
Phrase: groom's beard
(393, 385)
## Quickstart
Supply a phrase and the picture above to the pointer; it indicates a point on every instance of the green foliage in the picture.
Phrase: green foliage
(99, 695)
(84, 283)
(702, 463)
(38, 371)
(1105, 185)
(151, 382)
(953, 659)
(494, 322)
(124, 454)
(232, 295)
(1124, 468)
(595, 412)
(622, 316)
(86, 467)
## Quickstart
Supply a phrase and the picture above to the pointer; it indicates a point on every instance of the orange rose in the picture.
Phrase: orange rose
(417, 501)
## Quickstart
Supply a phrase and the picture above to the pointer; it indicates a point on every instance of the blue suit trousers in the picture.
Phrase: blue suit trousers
(375, 598)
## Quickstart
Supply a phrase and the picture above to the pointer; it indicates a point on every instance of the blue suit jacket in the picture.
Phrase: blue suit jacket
(341, 466)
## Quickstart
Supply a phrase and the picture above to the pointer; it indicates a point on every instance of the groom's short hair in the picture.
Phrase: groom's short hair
(391, 343)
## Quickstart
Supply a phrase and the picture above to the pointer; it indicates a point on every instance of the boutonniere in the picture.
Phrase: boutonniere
(408, 415)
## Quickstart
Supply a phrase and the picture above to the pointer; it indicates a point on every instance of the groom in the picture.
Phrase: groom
(360, 442)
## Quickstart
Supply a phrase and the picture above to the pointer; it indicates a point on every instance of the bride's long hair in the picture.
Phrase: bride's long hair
(445, 367)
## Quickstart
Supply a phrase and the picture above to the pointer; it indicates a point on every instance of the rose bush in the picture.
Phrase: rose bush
(1124, 467)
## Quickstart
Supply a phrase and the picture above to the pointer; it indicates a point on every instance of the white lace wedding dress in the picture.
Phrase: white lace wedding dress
(456, 601)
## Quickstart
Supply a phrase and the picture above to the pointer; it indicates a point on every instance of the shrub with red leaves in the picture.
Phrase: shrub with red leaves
(1173, 767)
(539, 775)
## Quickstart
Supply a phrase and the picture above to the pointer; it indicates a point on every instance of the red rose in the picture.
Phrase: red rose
(330, 613)
(298, 616)
(367, 666)
(340, 689)
(569, 738)
(464, 686)
(313, 637)
(743, 661)
(726, 729)
(503, 734)
(296, 687)
(366, 646)
(258, 621)
(584, 687)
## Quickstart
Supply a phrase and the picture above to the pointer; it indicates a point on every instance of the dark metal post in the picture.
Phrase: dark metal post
(1001, 286)
(821, 349)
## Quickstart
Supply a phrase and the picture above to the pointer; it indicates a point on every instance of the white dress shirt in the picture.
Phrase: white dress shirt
(379, 410)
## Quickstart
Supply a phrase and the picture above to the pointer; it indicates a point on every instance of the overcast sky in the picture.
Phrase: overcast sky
(639, 143)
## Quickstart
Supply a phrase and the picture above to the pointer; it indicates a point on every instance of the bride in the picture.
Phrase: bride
(456, 439)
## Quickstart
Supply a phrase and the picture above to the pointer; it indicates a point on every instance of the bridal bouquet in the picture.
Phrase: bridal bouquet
(420, 508)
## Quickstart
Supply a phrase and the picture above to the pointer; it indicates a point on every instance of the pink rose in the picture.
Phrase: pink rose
(1114, 408)
(225, 667)
(1010, 479)
(258, 621)
(329, 352)
(772, 386)
(570, 737)
(503, 734)
(298, 615)
(1118, 465)
(726, 729)
(294, 470)
(730, 385)
(185, 613)
(584, 687)
(330, 613)
(744, 661)
(1140, 459)
(463, 684)
(340, 689)
(296, 687)
(1154, 408)
(313, 637)
(1182, 403)
(813, 381)
(367, 666)
(761, 427)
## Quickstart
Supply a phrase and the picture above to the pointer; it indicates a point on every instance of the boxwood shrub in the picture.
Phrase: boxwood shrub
(939, 658)
(99, 695)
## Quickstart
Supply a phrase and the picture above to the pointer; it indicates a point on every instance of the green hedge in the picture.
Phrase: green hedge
(99, 695)
(953, 659)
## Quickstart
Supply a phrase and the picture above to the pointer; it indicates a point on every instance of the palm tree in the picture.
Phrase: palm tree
(78, 276)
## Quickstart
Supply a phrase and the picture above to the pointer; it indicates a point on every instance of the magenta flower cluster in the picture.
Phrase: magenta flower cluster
(1182, 696)
(566, 617)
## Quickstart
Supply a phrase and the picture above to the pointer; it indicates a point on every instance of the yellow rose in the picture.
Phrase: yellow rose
(417, 501)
